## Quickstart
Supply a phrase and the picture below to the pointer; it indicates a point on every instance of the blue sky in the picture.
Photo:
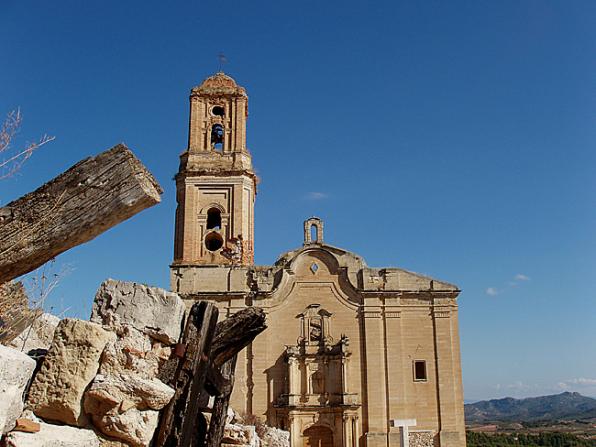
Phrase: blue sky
(455, 139)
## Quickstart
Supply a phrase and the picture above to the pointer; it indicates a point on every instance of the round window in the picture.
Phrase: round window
(213, 241)
(218, 111)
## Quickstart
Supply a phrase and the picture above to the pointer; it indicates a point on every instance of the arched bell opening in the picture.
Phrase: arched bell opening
(213, 219)
(217, 137)
(313, 231)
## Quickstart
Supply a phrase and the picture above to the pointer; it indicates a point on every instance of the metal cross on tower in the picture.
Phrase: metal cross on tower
(222, 60)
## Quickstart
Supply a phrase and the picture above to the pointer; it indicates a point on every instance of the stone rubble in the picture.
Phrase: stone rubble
(51, 435)
(27, 425)
(275, 437)
(126, 407)
(108, 394)
(134, 427)
(240, 435)
(237, 433)
(133, 352)
(16, 369)
(101, 378)
(126, 395)
(69, 367)
(156, 312)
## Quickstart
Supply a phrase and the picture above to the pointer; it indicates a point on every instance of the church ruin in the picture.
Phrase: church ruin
(353, 356)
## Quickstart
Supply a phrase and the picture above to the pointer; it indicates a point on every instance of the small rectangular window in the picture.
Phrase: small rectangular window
(420, 370)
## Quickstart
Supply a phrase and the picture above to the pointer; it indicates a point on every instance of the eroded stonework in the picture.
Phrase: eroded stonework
(349, 348)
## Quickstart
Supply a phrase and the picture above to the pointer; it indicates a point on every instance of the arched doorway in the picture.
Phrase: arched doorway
(318, 436)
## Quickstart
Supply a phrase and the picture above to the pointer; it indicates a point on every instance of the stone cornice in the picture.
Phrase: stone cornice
(181, 175)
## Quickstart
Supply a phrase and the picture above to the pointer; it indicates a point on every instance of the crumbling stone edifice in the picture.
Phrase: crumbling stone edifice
(353, 355)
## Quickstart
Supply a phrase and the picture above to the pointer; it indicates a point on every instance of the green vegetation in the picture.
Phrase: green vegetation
(537, 440)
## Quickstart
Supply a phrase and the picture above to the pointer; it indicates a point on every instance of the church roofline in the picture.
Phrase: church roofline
(356, 263)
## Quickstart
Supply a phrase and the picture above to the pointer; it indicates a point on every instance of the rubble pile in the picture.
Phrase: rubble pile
(239, 433)
(96, 383)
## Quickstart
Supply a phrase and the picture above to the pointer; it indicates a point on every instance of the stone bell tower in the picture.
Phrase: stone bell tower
(216, 185)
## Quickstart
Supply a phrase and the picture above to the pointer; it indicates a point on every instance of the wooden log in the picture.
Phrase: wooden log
(235, 333)
(179, 425)
(219, 413)
(78, 205)
(215, 383)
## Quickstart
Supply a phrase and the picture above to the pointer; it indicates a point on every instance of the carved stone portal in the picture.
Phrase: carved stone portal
(317, 382)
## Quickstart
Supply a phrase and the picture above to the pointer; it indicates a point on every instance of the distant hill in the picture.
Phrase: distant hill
(556, 407)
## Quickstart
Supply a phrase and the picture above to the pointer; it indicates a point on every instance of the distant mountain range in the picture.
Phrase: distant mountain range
(556, 407)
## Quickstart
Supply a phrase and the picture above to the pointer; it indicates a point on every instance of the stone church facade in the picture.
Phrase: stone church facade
(353, 356)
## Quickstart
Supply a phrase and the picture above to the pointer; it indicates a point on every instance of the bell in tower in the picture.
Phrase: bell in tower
(216, 184)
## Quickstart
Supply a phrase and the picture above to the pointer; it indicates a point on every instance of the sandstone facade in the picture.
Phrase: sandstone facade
(349, 348)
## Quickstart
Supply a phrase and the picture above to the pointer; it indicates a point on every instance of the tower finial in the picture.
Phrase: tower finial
(222, 60)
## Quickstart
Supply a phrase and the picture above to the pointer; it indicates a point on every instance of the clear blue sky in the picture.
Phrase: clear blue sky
(455, 139)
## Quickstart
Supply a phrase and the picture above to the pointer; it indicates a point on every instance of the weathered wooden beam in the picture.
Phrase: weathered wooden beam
(234, 333)
(78, 205)
(220, 406)
(179, 425)
(215, 383)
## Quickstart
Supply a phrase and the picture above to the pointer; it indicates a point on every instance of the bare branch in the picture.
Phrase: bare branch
(8, 131)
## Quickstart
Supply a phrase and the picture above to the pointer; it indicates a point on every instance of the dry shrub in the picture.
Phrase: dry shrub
(15, 314)
(13, 159)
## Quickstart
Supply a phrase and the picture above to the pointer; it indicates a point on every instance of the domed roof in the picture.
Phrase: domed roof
(219, 84)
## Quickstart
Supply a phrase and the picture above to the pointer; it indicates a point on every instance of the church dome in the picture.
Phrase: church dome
(218, 84)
